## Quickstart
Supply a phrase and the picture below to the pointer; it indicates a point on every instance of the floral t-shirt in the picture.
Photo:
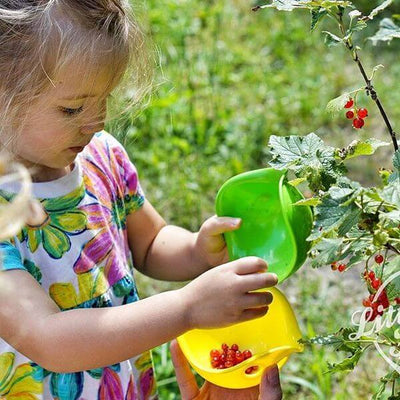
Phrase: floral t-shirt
(80, 256)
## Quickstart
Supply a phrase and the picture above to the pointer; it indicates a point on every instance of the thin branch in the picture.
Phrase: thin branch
(369, 88)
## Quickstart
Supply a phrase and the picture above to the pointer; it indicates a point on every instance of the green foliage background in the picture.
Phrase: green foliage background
(226, 79)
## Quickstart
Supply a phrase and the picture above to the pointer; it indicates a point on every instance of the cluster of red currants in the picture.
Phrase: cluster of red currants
(340, 267)
(377, 304)
(229, 356)
(356, 114)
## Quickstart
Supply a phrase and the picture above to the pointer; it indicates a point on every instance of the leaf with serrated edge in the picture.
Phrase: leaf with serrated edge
(388, 30)
(381, 7)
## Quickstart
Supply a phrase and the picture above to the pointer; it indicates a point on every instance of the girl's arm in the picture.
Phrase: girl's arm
(172, 253)
(83, 339)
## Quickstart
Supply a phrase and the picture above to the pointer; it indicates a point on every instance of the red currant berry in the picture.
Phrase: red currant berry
(371, 275)
(358, 123)
(224, 347)
(362, 112)
(379, 258)
(249, 370)
(239, 357)
(397, 300)
(228, 364)
(350, 115)
(366, 302)
(214, 353)
(376, 283)
(247, 354)
(235, 347)
(349, 103)
(342, 267)
(334, 266)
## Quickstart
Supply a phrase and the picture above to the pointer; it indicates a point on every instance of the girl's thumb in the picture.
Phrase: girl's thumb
(270, 387)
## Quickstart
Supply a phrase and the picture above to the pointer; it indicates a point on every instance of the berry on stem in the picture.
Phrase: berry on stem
(342, 267)
(358, 123)
(349, 103)
(362, 112)
(350, 114)
(379, 258)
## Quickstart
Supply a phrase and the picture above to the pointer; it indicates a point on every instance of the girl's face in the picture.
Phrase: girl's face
(62, 121)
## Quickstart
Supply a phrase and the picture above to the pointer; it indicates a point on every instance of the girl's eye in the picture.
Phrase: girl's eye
(71, 111)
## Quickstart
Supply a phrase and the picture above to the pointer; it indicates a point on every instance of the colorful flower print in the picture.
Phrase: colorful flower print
(131, 391)
(23, 383)
(66, 386)
(147, 384)
(101, 249)
(33, 269)
(110, 386)
(91, 285)
(62, 221)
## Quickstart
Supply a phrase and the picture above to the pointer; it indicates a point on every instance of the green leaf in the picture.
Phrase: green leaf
(308, 157)
(388, 30)
(381, 7)
(347, 364)
(327, 340)
(363, 148)
(313, 201)
(331, 39)
(391, 193)
(289, 151)
(330, 215)
(317, 14)
(393, 287)
(396, 163)
(287, 5)
(296, 182)
(326, 252)
(337, 104)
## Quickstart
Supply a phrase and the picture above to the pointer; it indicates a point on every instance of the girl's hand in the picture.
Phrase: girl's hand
(220, 296)
(269, 389)
(210, 244)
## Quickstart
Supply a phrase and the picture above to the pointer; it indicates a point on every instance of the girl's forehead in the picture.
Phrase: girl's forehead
(79, 81)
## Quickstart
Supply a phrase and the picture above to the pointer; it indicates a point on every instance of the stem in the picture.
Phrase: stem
(390, 247)
(393, 386)
(369, 88)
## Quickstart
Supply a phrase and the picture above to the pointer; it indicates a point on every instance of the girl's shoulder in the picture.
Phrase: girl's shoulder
(105, 151)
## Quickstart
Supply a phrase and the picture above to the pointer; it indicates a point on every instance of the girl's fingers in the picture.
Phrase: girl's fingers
(186, 380)
(248, 265)
(253, 313)
(257, 300)
(259, 281)
(217, 225)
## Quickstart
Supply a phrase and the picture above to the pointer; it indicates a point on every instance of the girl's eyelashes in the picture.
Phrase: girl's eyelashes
(71, 111)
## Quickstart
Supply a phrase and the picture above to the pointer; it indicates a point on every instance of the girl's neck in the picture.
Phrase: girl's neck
(45, 174)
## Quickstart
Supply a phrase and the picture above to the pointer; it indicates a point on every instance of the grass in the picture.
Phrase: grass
(226, 79)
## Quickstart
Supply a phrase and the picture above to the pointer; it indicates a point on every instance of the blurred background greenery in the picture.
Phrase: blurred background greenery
(226, 79)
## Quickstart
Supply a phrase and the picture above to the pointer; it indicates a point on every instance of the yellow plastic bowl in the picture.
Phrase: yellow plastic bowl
(271, 339)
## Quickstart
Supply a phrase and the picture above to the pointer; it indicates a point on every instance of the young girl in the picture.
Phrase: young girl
(70, 316)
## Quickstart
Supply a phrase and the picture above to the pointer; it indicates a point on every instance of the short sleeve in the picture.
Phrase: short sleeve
(133, 193)
(10, 257)
(127, 174)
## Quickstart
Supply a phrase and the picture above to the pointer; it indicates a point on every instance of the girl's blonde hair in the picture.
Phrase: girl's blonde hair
(40, 37)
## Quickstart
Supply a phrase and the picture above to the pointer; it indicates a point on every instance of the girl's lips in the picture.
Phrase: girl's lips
(77, 149)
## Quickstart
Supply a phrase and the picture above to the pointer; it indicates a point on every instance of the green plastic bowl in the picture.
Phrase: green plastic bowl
(272, 228)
